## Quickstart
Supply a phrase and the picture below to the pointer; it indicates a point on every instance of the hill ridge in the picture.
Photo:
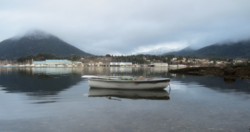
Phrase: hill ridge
(240, 49)
(35, 42)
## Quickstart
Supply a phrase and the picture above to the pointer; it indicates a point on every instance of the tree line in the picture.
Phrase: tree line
(42, 57)
(135, 59)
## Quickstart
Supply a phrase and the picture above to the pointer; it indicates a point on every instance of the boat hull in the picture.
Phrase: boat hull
(109, 84)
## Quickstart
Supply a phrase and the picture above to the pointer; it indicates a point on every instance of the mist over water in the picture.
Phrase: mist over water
(58, 99)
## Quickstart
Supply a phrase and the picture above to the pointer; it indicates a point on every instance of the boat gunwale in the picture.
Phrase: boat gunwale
(130, 81)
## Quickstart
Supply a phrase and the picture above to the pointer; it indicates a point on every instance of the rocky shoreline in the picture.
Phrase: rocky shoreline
(229, 73)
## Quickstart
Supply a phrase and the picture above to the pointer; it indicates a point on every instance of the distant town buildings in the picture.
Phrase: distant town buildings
(174, 59)
(56, 63)
(130, 61)
(240, 60)
(120, 63)
(52, 62)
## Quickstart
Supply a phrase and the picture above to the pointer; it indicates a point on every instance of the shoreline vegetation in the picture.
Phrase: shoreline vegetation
(229, 73)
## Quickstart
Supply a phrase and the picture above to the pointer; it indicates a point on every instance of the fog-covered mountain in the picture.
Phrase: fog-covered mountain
(240, 49)
(34, 42)
(159, 51)
(186, 51)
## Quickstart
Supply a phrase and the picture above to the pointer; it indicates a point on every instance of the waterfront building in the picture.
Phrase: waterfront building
(52, 62)
(38, 63)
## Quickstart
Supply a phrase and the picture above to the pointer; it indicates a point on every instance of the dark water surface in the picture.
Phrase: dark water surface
(57, 100)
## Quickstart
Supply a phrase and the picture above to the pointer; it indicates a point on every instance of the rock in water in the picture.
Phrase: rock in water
(229, 72)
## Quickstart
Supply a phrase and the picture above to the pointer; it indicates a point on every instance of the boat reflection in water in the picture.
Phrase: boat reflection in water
(129, 94)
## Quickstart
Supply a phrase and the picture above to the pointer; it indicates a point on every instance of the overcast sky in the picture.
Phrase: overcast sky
(129, 26)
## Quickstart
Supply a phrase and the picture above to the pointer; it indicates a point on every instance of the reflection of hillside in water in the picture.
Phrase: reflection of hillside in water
(37, 82)
(215, 83)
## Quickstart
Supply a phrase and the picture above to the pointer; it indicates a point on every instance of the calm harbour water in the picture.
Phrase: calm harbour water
(57, 100)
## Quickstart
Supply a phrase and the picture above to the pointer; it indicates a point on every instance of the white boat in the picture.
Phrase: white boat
(127, 83)
(129, 94)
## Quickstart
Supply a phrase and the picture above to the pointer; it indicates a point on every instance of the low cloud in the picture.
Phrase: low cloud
(129, 27)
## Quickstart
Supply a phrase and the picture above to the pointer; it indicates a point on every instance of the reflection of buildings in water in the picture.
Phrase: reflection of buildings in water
(136, 69)
(6, 70)
(121, 69)
(106, 70)
(141, 71)
(111, 71)
(42, 70)
(173, 75)
(95, 71)
(22, 80)
(99, 69)
(130, 94)
(52, 71)
(77, 70)
(87, 70)
(56, 71)
(173, 68)
(159, 69)
(91, 69)
(153, 70)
